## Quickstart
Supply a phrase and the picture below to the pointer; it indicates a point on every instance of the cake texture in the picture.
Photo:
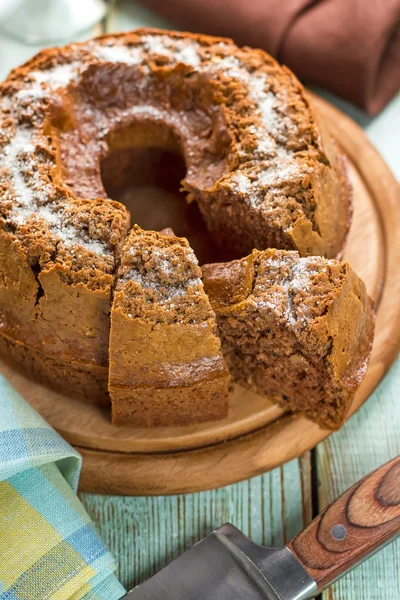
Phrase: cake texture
(298, 330)
(259, 164)
(166, 366)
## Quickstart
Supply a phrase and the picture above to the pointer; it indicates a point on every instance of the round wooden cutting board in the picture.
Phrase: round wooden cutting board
(257, 435)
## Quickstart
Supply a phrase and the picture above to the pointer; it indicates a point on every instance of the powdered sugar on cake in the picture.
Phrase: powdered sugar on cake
(5, 103)
(29, 201)
(153, 45)
(279, 164)
(162, 270)
(130, 55)
(188, 52)
(279, 174)
(241, 184)
(20, 144)
(299, 279)
(47, 80)
(166, 292)
(59, 76)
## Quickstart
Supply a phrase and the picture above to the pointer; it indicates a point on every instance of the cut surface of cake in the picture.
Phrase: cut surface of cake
(260, 166)
(296, 329)
(56, 289)
(166, 366)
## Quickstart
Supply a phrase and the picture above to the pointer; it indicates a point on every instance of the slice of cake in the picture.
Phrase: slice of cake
(166, 365)
(296, 329)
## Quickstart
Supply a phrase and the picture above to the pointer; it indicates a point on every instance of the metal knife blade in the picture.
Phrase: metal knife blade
(227, 565)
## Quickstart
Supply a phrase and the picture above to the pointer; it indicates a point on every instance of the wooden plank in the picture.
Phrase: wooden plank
(369, 439)
(145, 533)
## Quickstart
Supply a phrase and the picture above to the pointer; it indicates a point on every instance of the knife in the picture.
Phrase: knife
(227, 565)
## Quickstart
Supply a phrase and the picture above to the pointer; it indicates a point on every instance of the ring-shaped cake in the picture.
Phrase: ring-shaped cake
(263, 172)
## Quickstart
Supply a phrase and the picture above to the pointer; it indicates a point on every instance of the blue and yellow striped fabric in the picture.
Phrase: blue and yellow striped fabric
(49, 549)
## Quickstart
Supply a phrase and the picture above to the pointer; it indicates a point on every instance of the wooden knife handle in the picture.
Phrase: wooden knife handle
(366, 517)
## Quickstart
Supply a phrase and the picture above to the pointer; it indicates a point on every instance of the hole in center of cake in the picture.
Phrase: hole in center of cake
(143, 170)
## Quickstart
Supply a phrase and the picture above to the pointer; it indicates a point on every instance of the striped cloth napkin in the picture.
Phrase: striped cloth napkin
(49, 549)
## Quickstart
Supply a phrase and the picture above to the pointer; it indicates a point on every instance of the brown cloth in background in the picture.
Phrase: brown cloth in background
(351, 47)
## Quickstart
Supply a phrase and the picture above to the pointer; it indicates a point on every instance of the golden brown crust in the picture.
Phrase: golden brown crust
(261, 168)
(150, 407)
(259, 163)
(165, 353)
(85, 382)
(300, 330)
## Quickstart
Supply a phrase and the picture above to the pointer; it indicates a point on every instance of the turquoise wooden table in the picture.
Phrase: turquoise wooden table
(145, 533)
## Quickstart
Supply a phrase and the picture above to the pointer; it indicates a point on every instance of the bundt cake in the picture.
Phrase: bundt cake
(296, 329)
(166, 365)
(259, 164)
